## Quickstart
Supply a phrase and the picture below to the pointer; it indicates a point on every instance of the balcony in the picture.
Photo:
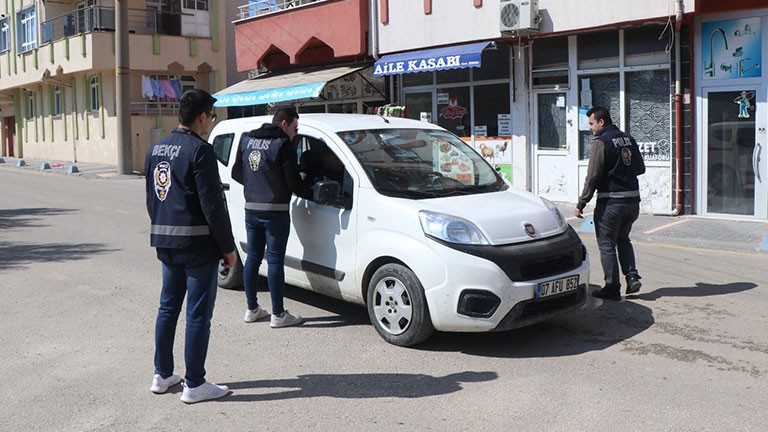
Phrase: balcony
(99, 18)
(263, 7)
(279, 34)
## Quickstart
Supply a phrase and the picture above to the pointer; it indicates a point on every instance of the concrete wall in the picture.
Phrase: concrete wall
(458, 21)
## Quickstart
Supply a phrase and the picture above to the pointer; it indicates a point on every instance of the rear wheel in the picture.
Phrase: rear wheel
(231, 278)
(397, 306)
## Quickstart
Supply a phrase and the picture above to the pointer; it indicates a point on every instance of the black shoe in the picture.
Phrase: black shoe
(633, 283)
(605, 293)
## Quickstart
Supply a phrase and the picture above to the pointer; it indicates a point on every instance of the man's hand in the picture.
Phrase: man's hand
(577, 212)
(229, 259)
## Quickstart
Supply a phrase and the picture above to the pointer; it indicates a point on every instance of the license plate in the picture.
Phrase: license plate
(557, 286)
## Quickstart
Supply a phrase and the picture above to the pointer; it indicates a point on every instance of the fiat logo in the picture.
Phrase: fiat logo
(529, 229)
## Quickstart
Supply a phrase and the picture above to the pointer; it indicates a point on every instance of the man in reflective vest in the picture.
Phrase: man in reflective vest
(191, 233)
(614, 164)
(267, 167)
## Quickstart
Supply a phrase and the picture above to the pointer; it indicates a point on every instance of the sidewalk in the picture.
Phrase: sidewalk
(686, 230)
(691, 231)
(75, 169)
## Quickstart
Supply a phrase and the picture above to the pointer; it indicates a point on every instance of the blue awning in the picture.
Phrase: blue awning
(455, 57)
(280, 88)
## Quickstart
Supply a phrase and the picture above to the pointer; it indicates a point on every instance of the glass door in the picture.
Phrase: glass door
(552, 161)
(419, 105)
(734, 176)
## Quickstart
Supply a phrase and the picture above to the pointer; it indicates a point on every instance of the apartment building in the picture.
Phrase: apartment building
(58, 76)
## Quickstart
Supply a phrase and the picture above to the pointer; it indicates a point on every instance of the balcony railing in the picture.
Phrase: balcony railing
(155, 108)
(99, 18)
(263, 7)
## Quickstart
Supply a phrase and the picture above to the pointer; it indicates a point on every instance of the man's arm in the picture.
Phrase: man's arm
(594, 173)
(290, 165)
(211, 198)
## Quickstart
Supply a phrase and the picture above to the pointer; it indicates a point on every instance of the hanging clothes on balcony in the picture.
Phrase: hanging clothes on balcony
(157, 89)
(168, 89)
(146, 87)
(176, 84)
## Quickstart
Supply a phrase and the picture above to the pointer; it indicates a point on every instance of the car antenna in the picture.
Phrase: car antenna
(384, 118)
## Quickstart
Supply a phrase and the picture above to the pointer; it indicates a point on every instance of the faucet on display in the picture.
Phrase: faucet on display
(742, 69)
(709, 68)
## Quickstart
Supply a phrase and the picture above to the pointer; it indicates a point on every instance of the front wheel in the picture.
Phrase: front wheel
(397, 306)
(231, 278)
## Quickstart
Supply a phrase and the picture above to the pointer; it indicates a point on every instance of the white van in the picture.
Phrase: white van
(421, 230)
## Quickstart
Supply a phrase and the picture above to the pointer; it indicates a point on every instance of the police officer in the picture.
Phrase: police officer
(614, 164)
(191, 232)
(267, 167)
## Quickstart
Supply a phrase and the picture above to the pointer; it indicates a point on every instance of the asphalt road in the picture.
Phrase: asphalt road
(79, 288)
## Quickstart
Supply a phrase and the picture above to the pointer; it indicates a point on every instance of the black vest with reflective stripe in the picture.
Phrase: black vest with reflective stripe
(173, 204)
(619, 180)
(265, 187)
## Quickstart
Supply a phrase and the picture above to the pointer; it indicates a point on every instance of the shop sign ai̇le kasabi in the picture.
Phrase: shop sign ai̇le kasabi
(417, 65)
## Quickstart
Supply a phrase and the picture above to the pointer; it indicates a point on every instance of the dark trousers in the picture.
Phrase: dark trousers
(270, 230)
(613, 222)
(194, 277)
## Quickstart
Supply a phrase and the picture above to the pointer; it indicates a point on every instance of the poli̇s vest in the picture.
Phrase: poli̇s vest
(619, 179)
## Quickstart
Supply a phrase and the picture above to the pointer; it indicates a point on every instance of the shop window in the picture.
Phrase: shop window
(598, 49)
(5, 35)
(605, 92)
(343, 108)
(648, 112)
(452, 76)
(642, 46)
(307, 109)
(95, 100)
(418, 79)
(495, 64)
(550, 53)
(490, 101)
(454, 115)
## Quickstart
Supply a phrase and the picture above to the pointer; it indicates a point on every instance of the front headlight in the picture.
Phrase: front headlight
(555, 212)
(451, 229)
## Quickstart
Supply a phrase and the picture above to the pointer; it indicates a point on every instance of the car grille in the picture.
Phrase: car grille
(536, 310)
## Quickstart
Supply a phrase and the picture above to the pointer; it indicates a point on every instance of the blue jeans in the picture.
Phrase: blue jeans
(268, 229)
(195, 276)
(613, 222)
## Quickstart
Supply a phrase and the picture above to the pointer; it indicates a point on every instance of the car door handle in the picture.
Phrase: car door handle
(225, 186)
(756, 160)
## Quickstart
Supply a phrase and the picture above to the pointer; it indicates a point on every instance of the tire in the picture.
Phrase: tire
(231, 278)
(397, 306)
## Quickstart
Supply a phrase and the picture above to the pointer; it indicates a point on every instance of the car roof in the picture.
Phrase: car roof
(335, 122)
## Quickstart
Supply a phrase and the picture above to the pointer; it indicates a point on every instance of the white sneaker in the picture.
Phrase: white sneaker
(255, 314)
(204, 392)
(160, 385)
(286, 320)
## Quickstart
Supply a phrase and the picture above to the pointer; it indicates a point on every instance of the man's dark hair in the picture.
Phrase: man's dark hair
(287, 114)
(601, 113)
(193, 103)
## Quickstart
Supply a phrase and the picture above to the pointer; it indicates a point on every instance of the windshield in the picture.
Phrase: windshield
(421, 163)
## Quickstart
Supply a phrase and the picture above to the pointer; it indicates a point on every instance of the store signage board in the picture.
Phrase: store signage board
(457, 57)
(731, 49)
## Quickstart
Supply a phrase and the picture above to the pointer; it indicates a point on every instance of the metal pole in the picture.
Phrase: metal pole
(122, 96)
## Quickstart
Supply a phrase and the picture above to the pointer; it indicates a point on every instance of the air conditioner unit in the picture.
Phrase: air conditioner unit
(518, 15)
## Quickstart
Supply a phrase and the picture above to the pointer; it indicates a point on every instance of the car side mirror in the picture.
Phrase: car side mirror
(328, 192)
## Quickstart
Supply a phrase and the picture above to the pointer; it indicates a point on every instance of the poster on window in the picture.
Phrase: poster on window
(731, 49)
